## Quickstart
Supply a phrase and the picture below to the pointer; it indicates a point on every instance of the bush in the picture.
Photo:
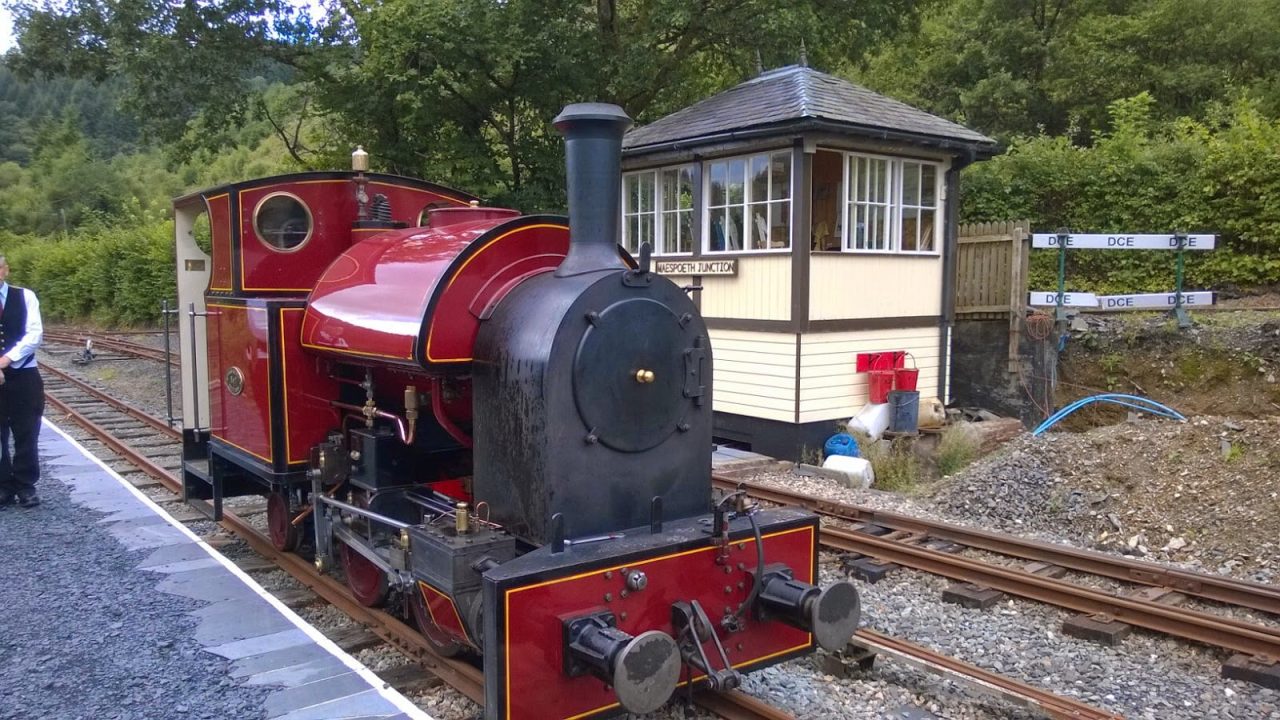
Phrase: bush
(895, 466)
(112, 275)
(1220, 176)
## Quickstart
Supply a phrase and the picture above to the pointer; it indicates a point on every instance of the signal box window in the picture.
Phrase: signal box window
(657, 208)
(282, 221)
(749, 203)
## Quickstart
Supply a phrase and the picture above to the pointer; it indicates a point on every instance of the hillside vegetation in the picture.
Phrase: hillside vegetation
(1118, 115)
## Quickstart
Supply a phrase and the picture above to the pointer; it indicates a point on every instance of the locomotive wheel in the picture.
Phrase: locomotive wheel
(368, 584)
(284, 536)
(441, 641)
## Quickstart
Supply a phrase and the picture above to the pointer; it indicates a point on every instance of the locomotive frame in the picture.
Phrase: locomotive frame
(499, 425)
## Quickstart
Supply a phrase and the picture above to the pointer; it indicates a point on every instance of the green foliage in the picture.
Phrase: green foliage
(956, 450)
(1220, 175)
(1020, 67)
(895, 466)
(116, 276)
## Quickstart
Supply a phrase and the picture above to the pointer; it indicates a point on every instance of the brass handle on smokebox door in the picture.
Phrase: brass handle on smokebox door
(644, 376)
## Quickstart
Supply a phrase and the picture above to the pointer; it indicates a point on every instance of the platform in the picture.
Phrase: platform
(264, 644)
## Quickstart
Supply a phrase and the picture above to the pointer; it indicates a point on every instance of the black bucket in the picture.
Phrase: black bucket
(904, 411)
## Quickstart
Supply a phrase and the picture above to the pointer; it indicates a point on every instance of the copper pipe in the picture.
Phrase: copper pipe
(437, 409)
(306, 513)
(406, 433)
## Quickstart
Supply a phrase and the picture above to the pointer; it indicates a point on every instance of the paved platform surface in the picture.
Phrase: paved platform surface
(264, 644)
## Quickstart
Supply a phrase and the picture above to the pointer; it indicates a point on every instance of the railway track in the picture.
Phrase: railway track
(900, 539)
(107, 419)
(105, 342)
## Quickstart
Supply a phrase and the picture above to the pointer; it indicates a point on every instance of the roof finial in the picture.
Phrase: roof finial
(804, 54)
(759, 63)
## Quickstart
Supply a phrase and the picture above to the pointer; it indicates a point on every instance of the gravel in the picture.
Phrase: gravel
(85, 634)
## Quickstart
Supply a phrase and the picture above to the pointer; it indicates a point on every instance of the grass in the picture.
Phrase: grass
(955, 451)
(895, 466)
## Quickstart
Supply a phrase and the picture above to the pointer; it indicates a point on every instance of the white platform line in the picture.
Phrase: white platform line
(392, 695)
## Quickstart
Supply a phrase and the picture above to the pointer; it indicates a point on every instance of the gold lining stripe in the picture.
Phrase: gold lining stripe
(247, 308)
(209, 211)
(452, 606)
(506, 618)
(431, 330)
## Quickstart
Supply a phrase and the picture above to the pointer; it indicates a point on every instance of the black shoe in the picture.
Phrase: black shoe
(7, 501)
(29, 501)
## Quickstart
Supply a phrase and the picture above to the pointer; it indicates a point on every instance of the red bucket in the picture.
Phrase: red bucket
(905, 378)
(879, 383)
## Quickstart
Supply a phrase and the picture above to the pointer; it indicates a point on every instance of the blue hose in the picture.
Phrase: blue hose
(1136, 402)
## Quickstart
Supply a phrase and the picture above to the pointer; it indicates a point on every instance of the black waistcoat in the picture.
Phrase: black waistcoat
(13, 321)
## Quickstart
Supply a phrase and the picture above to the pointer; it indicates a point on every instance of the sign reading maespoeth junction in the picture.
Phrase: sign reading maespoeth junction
(697, 267)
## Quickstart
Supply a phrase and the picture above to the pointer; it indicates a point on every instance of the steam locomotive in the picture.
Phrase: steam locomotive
(497, 424)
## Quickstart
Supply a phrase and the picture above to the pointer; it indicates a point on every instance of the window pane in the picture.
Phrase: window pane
(733, 228)
(929, 185)
(686, 188)
(719, 181)
(910, 225)
(780, 176)
(685, 243)
(759, 227)
(780, 229)
(647, 192)
(877, 228)
(646, 231)
(910, 183)
(629, 190)
(927, 230)
(736, 185)
(632, 230)
(670, 189)
(860, 227)
(719, 233)
(670, 231)
(759, 178)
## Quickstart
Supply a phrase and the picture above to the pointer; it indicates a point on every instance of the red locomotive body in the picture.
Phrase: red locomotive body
(499, 424)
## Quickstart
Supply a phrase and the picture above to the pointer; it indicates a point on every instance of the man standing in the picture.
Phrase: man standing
(21, 392)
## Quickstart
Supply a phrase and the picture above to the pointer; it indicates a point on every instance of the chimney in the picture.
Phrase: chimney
(593, 163)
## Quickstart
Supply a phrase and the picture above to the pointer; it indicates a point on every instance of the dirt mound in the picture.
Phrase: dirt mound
(1206, 491)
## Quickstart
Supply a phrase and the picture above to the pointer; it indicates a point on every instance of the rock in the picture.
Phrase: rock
(1174, 545)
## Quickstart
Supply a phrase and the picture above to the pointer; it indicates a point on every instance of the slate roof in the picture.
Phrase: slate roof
(783, 97)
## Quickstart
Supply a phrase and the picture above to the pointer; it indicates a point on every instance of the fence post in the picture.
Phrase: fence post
(1061, 314)
(1179, 312)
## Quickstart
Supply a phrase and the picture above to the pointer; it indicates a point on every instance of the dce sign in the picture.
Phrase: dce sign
(1124, 242)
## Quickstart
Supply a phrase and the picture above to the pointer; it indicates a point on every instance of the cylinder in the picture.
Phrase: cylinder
(593, 166)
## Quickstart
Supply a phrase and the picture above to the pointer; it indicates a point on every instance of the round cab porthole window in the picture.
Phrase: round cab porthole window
(424, 217)
(282, 221)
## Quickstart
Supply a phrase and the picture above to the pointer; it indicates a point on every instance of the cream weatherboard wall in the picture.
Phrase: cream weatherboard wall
(830, 389)
(755, 374)
(868, 285)
(760, 291)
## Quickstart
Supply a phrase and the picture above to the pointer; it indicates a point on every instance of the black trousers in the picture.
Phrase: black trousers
(21, 407)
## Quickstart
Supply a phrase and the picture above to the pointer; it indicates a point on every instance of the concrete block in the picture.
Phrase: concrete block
(870, 570)
(971, 596)
(1249, 669)
(1096, 628)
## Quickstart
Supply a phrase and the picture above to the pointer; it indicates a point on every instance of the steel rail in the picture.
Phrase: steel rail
(462, 676)
(465, 678)
(469, 680)
(1055, 706)
(124, 407)
(1243, 593)
(123, 346)
(1181, 622)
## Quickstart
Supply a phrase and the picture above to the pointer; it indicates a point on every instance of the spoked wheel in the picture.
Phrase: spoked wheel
(284, 536)
(441, 641)
(368, 584)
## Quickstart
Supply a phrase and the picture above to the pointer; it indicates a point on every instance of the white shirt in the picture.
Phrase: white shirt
(23, 354)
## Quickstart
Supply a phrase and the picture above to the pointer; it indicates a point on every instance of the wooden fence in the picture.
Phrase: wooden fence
(991, 269)
(992, 260)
